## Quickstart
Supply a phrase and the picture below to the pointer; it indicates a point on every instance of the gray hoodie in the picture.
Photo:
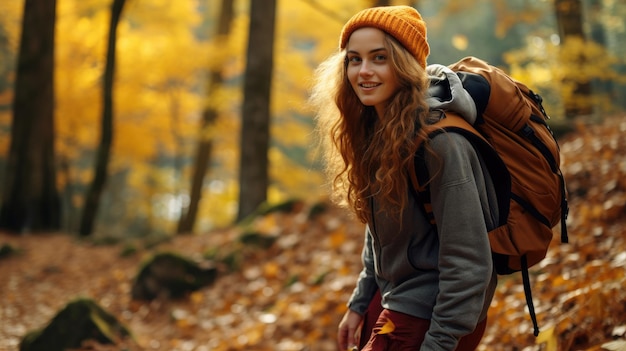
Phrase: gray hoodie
(444, 274)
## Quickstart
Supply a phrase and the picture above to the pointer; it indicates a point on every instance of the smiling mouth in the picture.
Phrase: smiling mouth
(369, 85)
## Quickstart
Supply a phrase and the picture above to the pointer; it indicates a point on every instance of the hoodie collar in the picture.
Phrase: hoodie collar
(446, 93)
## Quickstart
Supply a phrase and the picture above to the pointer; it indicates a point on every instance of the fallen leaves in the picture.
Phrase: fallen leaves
(579, 289)
(291, 296)
(550, 338)
(387, 328)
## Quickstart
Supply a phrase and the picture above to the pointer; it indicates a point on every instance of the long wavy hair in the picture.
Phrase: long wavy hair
(368, 155)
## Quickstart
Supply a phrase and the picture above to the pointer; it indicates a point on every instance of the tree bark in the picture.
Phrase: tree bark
(204, 149)
(253, 166)
(92, 199)
(30, 199)
(570, 24)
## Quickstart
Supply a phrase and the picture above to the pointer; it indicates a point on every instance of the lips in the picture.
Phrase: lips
(368, 85)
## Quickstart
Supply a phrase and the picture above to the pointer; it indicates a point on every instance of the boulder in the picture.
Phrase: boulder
(169, 275)
(7, 250)
(79, 321)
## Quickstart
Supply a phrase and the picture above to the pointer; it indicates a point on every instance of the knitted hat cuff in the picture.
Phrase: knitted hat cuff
(403, 23)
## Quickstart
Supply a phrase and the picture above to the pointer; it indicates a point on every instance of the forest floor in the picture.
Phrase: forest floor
(291, 296)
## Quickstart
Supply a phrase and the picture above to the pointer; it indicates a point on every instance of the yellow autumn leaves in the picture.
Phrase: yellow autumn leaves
(387, 328)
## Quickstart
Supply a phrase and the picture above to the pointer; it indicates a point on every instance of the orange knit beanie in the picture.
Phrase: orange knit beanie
(403, 23)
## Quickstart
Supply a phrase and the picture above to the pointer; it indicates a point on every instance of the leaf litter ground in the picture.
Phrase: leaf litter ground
(291, 296)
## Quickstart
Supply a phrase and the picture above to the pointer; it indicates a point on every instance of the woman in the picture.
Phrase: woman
(436, 283)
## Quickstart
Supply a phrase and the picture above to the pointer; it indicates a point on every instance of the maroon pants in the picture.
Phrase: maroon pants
(409, 331)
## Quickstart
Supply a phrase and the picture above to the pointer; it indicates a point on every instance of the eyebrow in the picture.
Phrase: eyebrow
(370, 52)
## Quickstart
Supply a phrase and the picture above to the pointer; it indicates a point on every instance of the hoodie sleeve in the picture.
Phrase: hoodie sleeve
(366, 284)
(465, 264)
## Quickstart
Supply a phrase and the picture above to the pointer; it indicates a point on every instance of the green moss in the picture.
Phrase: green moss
(170, 275)
(317, 210)
(79, 320)
(128, 250)
(319, 279)
(257, 239)
(7, 250)
(267, 208)
(283, 207)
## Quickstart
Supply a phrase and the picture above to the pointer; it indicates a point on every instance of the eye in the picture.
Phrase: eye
(380, 58)
(354, 59)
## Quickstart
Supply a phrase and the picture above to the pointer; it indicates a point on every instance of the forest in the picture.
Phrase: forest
(134, 128)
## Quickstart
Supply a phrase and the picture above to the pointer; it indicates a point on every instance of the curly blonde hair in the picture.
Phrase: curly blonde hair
(368, 155)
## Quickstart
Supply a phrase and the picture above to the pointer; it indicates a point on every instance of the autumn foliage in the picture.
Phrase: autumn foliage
(291, 295)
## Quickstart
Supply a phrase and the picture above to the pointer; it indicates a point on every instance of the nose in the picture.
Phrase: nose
(366, 68)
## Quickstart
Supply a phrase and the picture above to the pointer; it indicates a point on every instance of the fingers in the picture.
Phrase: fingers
(348, 327)
(351, 339)
(342, 337)
(346, 339)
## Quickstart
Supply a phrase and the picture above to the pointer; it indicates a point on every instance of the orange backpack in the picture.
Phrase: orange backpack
(513, 138)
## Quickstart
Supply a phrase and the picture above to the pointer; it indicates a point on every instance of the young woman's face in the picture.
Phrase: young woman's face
(369, 70)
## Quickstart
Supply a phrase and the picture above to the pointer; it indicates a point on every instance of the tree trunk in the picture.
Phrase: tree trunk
(598, 34)
(570, 24)
(204, 149)
(30, 199)
(253, 166)
(92, 200)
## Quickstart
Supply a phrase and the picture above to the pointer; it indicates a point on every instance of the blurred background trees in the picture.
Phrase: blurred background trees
(210, 113)
(255, 111)
(103, 153)
(182, 157)
(30, 200)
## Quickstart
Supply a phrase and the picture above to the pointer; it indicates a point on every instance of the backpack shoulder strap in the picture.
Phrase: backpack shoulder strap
(449, 122)
(452, 122)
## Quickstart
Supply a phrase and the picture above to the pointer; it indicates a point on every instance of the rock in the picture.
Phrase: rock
(317, 209)
(168, 275)
(288, 206)
(7, 250)
(79, 321)
(257, 240)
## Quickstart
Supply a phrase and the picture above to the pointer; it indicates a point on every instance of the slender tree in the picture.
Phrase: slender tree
(253, 166)
(569, 21)
(204, 148)
(30, 199)
(92, 200)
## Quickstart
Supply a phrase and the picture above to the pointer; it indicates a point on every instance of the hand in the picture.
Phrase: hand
(347, 338)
